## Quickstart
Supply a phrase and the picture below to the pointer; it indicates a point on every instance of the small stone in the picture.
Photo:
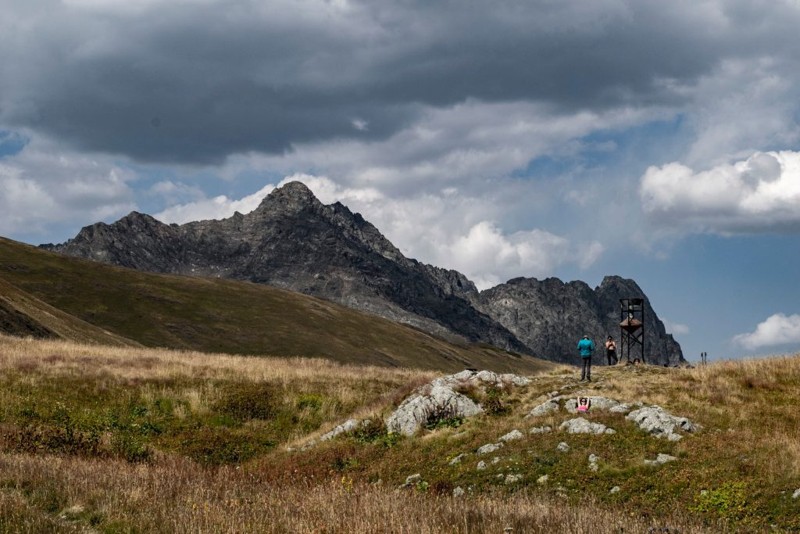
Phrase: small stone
(481, 465)
(562, 447)
(545, 408)
(513, 435)
(347, 426)
(540, 430)
(457, 459)
(593, 458)
(491, 447)
(660, 459)
(495, 460)
(542, 479)
(615, 489)
(413, 479)
(796, 494)
(458, 491)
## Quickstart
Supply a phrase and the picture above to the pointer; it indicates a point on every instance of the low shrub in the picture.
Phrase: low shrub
(249, 401)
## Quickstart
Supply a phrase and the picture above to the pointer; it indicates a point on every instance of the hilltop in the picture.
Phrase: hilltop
(132, 439)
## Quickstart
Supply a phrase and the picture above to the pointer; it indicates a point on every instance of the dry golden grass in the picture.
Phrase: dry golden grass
(91, 361)
(175, 496)
(750, 439)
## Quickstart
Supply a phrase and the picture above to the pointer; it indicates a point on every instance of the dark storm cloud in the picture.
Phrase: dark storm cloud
(194, 82)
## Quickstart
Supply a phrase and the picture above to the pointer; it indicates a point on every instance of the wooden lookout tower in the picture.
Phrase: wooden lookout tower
(631, 327)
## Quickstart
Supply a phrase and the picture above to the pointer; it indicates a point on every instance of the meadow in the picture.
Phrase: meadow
(129, 439)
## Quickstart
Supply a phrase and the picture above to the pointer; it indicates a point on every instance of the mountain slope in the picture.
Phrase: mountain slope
(217, 315)
(293, 241)
(22, 314)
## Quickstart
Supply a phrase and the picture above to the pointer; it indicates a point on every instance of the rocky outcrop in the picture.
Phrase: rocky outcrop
(550, 316)
(293, 241)
(659, 422)
(440, 400)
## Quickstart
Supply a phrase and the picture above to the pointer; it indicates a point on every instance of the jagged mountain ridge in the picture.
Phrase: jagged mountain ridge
(295, 242)
(550, 316)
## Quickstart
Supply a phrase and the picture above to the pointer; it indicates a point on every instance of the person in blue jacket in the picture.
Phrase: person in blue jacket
(586, 349)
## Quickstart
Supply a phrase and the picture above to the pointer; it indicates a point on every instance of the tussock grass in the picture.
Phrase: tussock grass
(176, 496)
(116, 439)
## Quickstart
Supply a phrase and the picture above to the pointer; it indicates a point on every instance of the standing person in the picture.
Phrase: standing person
(585, 349)
(611, 351)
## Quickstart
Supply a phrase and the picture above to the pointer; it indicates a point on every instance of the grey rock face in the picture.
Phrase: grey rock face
(347, 426)
(545, 408)
(295, 242)
(439, 399)
(659, 422)
(550, 316)
(415, 411)
(512, 436)
(579, 425)
(489, 448)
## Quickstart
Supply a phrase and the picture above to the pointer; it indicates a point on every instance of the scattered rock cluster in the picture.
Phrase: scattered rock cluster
(440, 400)
(652, 419)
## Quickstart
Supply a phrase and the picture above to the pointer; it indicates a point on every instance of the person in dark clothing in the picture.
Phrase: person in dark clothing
(611, 351)
(586, 349)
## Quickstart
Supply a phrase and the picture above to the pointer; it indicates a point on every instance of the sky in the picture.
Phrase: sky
(658, 141)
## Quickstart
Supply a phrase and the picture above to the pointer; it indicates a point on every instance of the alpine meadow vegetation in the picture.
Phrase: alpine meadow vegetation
(97, 438)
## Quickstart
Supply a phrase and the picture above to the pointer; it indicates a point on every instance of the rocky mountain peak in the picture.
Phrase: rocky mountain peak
(292, 197)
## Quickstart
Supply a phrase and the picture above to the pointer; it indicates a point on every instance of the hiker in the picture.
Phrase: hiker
(584, 404)
(585, 349)
(611, 351)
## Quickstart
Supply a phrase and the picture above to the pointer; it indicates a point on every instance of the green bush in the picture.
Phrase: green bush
(729, 501)
(218, 446)
(443, 417)
(249, 401)
(130, 447)
(309, 401)
(493, 402)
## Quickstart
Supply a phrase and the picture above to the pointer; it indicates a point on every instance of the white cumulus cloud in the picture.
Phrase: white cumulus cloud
(759, 194)
(44, 187)
(778, 329)
(219, 207)
(445, 229)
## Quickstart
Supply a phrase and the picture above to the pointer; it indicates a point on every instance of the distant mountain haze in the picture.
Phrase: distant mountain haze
(295, 242)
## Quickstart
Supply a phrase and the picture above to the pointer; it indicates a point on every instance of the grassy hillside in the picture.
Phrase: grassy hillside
(215, 315)
(24, 314)
(141, 440)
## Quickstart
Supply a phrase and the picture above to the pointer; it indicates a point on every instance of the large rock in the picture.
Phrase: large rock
(439, 402)
(659, 422)
(579, 425)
